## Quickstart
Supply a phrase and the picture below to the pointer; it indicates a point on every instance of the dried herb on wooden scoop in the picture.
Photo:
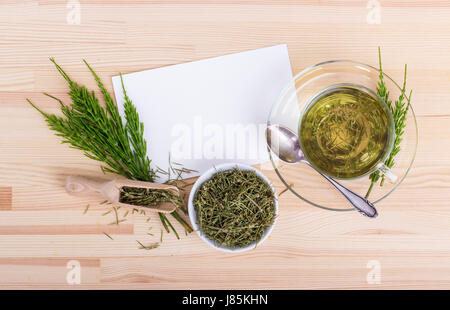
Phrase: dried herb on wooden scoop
(163, 198)
(144, 197)
(234, 208)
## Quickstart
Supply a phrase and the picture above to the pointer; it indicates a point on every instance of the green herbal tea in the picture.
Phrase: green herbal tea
(345, 132)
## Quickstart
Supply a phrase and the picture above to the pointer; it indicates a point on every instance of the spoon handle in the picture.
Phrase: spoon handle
(361, 204)
(79, 186)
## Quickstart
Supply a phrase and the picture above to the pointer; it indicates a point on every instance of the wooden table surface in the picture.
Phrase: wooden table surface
(42, 228)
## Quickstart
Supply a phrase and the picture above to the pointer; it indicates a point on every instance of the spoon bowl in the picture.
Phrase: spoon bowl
(284, 143)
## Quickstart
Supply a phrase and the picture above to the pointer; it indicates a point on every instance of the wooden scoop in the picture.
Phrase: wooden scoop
(110, 190)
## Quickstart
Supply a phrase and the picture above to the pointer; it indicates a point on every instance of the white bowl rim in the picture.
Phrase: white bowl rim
(193, 215)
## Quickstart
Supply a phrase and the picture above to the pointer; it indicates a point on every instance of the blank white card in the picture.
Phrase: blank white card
(210, 111)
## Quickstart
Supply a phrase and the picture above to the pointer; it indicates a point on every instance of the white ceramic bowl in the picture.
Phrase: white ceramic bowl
(193, 215)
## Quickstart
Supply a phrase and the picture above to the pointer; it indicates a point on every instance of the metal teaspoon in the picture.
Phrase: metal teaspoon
(286, 145)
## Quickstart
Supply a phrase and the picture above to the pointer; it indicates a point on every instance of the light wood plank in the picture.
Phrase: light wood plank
(42, 228)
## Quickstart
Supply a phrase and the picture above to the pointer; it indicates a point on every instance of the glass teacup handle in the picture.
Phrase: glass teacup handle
(361, 204)
(387, 173)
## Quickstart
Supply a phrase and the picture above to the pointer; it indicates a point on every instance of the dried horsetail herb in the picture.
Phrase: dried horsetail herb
(148, 247)
(234, 207)
(143, 197)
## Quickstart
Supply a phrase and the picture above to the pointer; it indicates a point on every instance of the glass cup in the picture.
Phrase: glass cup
(379, 165)
(304, 182)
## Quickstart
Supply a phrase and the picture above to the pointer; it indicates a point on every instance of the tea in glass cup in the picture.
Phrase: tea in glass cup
(346, 131)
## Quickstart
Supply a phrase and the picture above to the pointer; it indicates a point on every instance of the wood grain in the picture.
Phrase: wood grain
(42, 228)
(5, 198)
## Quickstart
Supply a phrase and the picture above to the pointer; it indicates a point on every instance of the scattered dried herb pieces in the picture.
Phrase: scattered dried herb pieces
(147, 247)
(234, 207)
(285, 189)
(107, 212)
(117, 222)
(108, 236)
(117, 215)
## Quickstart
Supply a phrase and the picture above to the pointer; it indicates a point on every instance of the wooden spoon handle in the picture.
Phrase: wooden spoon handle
(79, 186)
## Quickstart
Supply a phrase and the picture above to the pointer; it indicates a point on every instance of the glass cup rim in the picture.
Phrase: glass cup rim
(302, 72)
(391, 129)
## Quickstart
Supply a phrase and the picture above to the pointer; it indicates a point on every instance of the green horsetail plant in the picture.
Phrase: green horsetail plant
(102, 135)
(399, 112)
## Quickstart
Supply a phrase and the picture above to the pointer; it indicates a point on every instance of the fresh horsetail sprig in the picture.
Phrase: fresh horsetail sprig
(234, 207)
(102, 135)
(399, 112)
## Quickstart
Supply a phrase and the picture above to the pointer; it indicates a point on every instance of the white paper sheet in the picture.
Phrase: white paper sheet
(210, 111)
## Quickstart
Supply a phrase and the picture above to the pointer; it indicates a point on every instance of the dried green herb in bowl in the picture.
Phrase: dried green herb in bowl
(233, 207)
